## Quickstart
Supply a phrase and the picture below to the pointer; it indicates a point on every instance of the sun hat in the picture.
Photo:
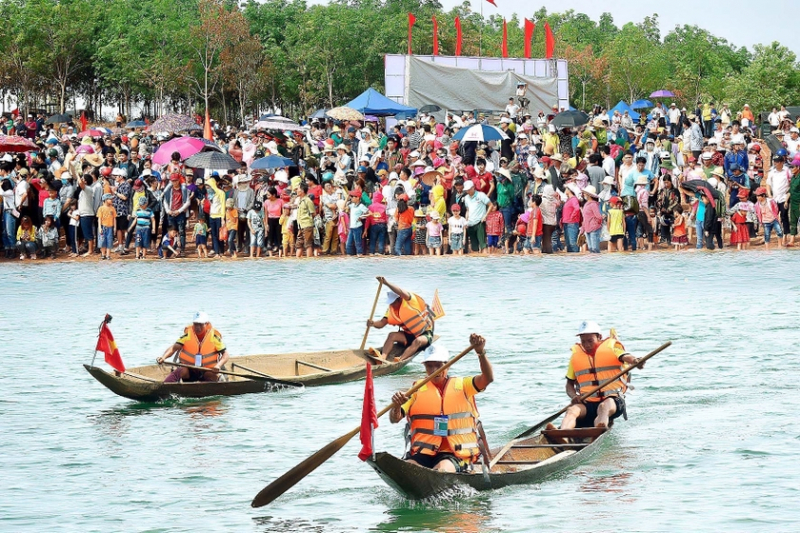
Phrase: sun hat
(435, 215)
(557, 157)
(718, 171)
(713, 182)
(538, 173)
(200, 318)
(642, 180)
(761, 191)
(504, 172)
(590, 190)
(108, 197)
(744, 193)
(608, 180)
(435, 353)
(419, 213)
(589, 327)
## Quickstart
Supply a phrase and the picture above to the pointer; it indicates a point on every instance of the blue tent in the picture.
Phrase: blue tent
(371, 102)
(622, 107)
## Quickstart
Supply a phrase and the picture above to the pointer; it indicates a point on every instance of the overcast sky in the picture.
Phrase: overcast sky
(741, 22)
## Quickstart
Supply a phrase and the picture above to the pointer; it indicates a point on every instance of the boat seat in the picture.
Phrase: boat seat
(576, 433)
(530, 446)
(298, 362)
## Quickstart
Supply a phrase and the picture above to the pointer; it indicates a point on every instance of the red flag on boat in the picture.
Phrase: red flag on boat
(84, 122)
(207, 133)
(369, 418)
(435, 36)
(550, 41)
(458, 36)
(411, 20)
(505, 39)
(106, 344)
(529, 29)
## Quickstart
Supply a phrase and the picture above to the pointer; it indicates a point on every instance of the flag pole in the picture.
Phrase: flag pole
(480, 33)
(106, 320)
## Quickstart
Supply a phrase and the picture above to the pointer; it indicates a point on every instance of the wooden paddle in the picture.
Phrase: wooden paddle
(372, 314)
(293, 476)
(582, 397)
(238, 375)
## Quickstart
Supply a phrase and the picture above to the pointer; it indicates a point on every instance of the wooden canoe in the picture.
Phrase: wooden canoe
(529, 461)
(146, 383)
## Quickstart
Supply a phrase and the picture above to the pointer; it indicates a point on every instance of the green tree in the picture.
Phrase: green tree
(771, 79)
(636, 63)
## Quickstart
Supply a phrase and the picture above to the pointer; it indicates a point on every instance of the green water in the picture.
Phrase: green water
(711, 444)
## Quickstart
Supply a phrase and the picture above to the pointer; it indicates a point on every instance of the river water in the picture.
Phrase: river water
(711, 444)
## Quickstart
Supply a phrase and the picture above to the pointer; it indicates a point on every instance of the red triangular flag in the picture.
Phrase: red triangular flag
(84, 122)
(529, 29)
(106, 344)
(505, 39)
(458, 36)
(207, 133)
(492, 2)
(411, 20)
(369, 418)
(435, 36)
(550, 42)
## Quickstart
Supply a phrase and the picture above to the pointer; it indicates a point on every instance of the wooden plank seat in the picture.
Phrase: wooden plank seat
(576, 433)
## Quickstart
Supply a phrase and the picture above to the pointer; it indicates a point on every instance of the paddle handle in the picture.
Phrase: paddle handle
(422, 383)
(236, 374)
(372, 314)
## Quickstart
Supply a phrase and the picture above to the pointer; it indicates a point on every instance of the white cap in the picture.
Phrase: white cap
(391, 296)
(506, 120)
(468, 185)
(794, 130)
(435, 353)
(118, 172)
(522, 136)
(587, 327)
(200, 318)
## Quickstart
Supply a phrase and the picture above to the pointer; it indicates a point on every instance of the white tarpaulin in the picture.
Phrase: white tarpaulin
(465, 89)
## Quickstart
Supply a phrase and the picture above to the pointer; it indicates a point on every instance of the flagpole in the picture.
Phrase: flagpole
(480, 33)
(106, 320)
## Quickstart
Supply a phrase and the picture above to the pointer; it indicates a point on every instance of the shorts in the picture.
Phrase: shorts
(591, 412)
(122, 222)
(434, 242)
(106, 237)
(769, 226)
(87, 227)
(257, 239)
(421, 237)
(305, 237)
(680, 239)
(456, 241)
(615, 238)
(200, 240)
(288, 240)
(429, 461)
(143, 237)
(493, 241)
(427, 335)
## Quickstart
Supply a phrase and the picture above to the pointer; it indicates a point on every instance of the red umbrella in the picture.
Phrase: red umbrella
(15, 143)
(91, 133)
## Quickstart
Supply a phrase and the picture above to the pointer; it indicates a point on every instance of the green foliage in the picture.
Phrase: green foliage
(772, 78)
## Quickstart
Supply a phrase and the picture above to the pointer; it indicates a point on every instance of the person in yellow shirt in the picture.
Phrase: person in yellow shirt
(106, 225)
(232, 225)
(216, 214)
(287, 236)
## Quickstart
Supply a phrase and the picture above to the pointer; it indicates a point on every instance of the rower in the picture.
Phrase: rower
(412, 314)
(594, 360)
(200, 345)
(442, 415)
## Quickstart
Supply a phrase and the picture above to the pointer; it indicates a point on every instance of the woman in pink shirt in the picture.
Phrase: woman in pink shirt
(375, 225)
(273, 207)
(571, 217)
(592, 219)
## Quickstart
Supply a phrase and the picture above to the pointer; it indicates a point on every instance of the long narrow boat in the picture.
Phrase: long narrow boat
(146, 383)
(527, 461)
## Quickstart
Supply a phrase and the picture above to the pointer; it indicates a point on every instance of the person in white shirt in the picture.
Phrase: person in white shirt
(783, 114)
(774, 118)
(512, 109)
(793, 142)
(778, 189)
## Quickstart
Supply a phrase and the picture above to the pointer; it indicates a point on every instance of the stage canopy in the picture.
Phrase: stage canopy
(371, 102)
(622, 107)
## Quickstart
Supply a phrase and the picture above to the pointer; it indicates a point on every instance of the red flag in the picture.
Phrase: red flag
(411, 20)
(369, 418)
(529, 29)
(550, 42)
(505, 39)
(435, 36)
(84, 122)
(106, 344)
(458, 36)
(207, 133)
(492, 2)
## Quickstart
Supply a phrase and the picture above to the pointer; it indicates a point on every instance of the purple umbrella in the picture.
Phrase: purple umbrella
(186, 146)
(663, 93)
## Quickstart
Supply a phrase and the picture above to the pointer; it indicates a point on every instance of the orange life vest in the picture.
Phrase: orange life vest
(198, 353)
(590, 371)
(462, 416)
(413, 316)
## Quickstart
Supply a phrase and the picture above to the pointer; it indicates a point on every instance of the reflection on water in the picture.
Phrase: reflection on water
(467, 516)
(116, 422)
(614, 483)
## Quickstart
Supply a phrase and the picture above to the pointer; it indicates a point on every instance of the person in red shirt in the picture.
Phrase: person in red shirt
(483, 180)
(376, 225)
(571, 217)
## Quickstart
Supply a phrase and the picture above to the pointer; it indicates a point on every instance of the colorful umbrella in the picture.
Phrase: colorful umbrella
(344, 113)
(663, 93)
(85, 149)
(480, 133)
(94, 132)
(212, 160)
(185, 146)
(277, 122)
(570, 119)
(270, 162)
(172, 123)
(15, 143)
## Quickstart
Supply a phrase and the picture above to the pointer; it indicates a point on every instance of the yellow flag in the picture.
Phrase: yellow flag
(436, 306)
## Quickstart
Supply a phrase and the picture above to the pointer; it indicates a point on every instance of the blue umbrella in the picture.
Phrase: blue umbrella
(641, 104)
(481, 133)
(136, 124)
(319, 113)
(272, 161)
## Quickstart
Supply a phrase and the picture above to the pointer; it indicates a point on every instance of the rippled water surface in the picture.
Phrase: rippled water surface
(712, 441)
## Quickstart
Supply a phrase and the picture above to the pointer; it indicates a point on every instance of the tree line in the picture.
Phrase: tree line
(240, 59)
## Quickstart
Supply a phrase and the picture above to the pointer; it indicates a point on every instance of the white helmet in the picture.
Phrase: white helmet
(588, 327)
(200, 318)
(435, 353)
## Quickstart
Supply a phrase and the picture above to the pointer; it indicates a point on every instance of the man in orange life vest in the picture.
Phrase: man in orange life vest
(442, 415)
(412, 314)
(200, 345)
(593, 361)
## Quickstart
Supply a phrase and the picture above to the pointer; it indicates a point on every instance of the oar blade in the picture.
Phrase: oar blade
(288, 480)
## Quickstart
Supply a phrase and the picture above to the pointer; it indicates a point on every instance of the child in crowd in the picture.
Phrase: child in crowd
(142, 223)
(201, 236)
(48, 237)
(768, 216)
(74, 217)
(52, 206)
(616, 224)
(740, 213)
(434, 229)
(342, 225)
(169, 243)
(106, 225)
(494, 229)
(420, 232)
(255, 221)
(456, 225)
(287, 242)
(26, 238)
(535, 229)
(232, 223)
(679, 238)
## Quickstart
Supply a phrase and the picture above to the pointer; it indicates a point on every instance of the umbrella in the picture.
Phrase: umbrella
(319, 113)
(344, 113)
(270, 162)
(702, 186)
(15, 143)
(570, 119)
(214, 160)
(429, 108)
(85, 149)
(94, 132)
(172, 123)
(58, 119)
(136, 124)
(480, 132)
(663, 93)
(277, 122)
(194, 127)
(185, 146)
(641, 104)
